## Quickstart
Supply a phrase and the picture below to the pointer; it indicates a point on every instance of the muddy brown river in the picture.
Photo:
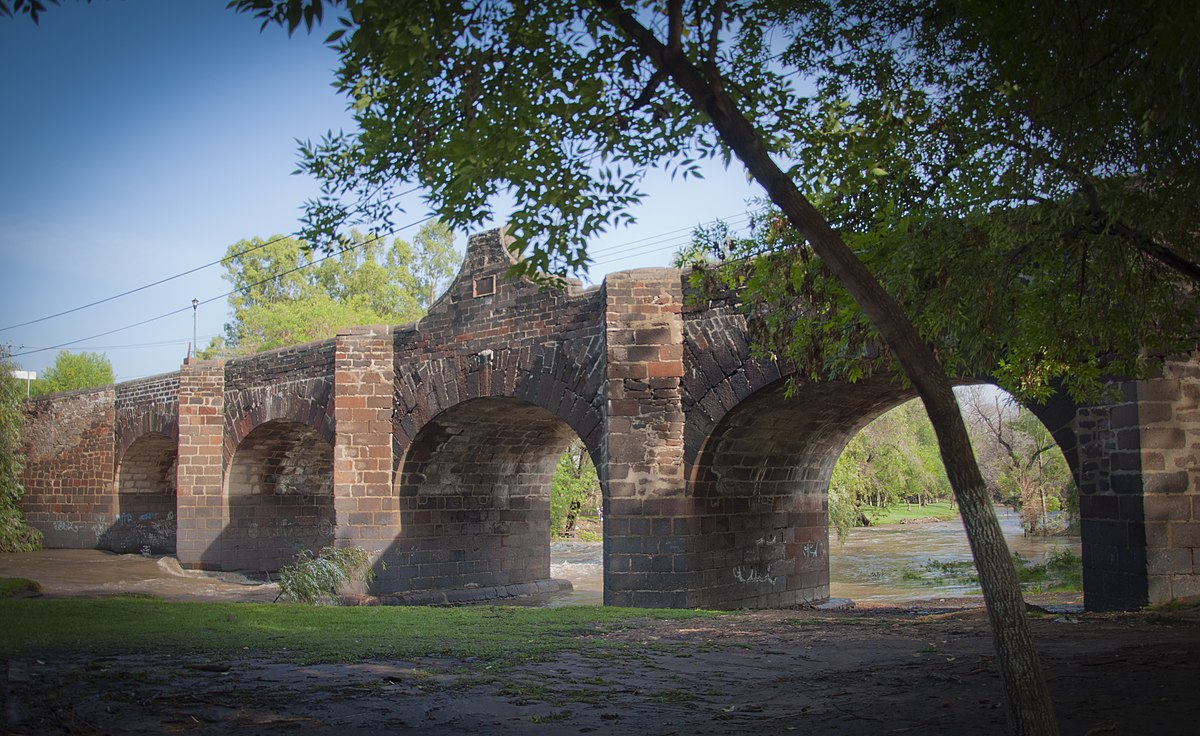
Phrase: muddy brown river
(868, 566)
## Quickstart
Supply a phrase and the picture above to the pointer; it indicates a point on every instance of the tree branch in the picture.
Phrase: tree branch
(1139, 240)
(675, 27)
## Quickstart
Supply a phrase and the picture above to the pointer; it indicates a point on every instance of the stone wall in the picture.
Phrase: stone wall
(1169, 420)
(146, 476)
(648, 516)
(200, 478)
(70, 494)
(367, 512)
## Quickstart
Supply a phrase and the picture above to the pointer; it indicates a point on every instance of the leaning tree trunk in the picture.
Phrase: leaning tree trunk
(1030, 710)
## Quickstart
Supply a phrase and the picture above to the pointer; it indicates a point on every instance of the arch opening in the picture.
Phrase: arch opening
(145, 513)
(279, 487)
(901, 535)
(759, 487)
(474, 495)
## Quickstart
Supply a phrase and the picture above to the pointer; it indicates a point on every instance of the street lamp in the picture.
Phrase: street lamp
(195, 306)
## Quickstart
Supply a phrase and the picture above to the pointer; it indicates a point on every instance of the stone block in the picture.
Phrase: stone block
(1172, 482)
(1167, 507)
(1185, 534)
(1168, 561)
(1185, 586)
(1158, 588)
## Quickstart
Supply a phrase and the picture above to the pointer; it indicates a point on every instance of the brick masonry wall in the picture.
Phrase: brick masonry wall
(278, 437)
(648, 516)
(367, 513)
(144, 406)
(202, 511)
(1169, 422)
(759, 463)
(281, 366)
(70, 493)
(474, 498)
(496, 379)
(1107, 465)
(145, 520)
(279, 492)
(146, 430)
(432, 445)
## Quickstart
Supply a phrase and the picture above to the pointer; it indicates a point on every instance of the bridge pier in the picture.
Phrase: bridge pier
(367, 510)
(202, 511)
(648, 526)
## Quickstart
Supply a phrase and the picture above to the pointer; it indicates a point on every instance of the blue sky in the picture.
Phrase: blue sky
(140, 138)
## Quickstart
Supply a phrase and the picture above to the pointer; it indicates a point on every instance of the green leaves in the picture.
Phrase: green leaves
(287, 295)
(15, 534)
(72, 371)
(315, 578)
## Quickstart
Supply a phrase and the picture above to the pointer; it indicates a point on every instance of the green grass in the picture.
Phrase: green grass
(308, 633)
(899, 513)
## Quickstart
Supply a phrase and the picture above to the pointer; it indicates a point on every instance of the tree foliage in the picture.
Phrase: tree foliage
(73, 371)
(32, 8)
(1021, 461)
(1017, 176)
(574, 490)
(15, 534)
(892, 460)
(286, 295)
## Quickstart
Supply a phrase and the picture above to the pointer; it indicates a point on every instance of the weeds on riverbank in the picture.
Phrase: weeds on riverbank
(12, 587)
(316, 578)
(1061, 572)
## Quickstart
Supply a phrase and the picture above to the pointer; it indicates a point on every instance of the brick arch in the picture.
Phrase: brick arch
(758, 487)
(474, 495)
(720, 373)
(146, 503)
(760, 478)
(310, 405)
(152, 419)
(566, 387)
(279, 488)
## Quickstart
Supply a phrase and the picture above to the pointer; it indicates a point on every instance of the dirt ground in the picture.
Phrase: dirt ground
(922, 668)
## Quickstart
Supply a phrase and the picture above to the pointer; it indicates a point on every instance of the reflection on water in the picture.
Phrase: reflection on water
(870, 564)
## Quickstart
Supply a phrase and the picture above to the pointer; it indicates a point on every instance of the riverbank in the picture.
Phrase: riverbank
(913, 513)
(906, 669)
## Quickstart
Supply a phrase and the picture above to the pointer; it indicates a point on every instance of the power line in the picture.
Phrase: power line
(131, 346)
(228, 293)
(649, 244)
(172, 278)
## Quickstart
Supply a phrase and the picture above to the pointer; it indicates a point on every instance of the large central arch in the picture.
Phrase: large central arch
(474, 493)
(760, 489)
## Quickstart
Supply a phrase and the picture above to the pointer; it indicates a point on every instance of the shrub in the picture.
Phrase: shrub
(313, 578)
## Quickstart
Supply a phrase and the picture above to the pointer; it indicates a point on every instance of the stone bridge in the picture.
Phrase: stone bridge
(432, 446)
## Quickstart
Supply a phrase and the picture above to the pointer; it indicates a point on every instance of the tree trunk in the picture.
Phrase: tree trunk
(1030, 710)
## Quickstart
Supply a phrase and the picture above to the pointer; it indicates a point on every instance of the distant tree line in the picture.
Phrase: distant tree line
(895, 460)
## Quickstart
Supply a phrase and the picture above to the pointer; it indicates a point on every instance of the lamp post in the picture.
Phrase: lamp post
(195, 306)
